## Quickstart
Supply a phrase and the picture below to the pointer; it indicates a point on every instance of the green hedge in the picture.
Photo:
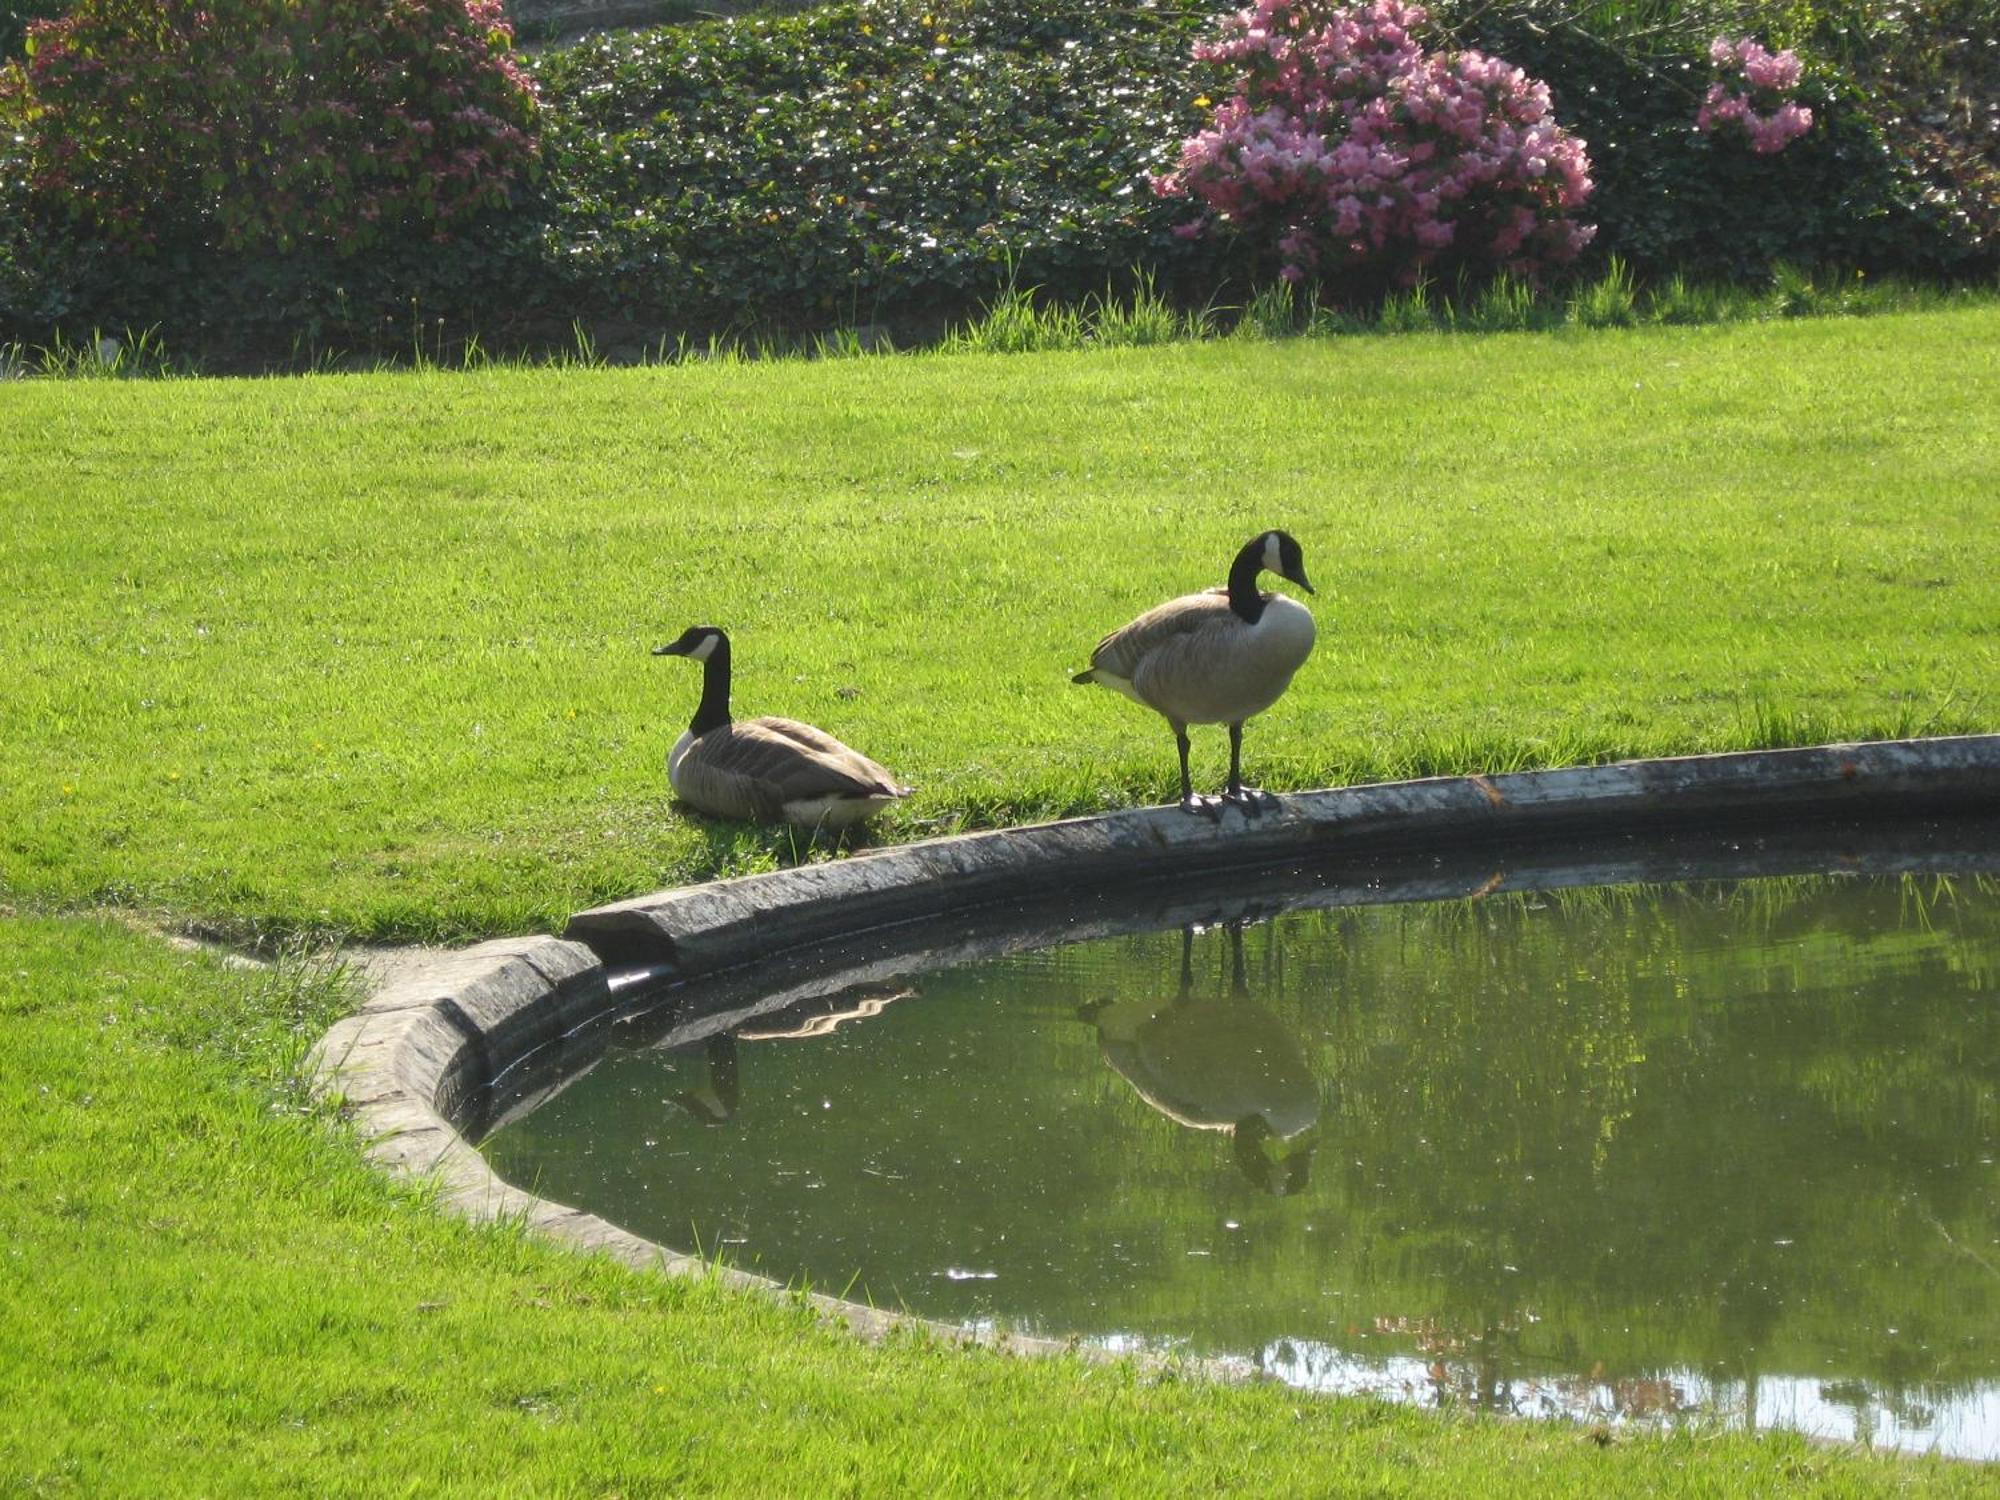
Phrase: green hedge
(1670, 198)
(892, 161)
(869, 158)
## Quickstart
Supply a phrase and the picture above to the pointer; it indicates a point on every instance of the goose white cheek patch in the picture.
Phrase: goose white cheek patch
(1273, 563)
(704, 651)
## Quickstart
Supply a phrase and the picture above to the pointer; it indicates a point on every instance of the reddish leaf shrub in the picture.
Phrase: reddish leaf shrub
(259, 125)
(1353, 148)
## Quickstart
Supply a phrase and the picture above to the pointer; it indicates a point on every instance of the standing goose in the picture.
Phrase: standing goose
(1216, 657)
(1227, 1065)
(766, 770)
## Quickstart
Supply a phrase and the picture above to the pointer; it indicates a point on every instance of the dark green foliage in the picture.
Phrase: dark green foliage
(15, 15)
(1932, 76)
(859, 162)
(1671, 198)
(232, 309)
(892, 161)
(870, 158)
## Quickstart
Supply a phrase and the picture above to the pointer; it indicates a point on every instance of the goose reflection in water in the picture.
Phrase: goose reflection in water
(715, 1101)
(1219, 1064)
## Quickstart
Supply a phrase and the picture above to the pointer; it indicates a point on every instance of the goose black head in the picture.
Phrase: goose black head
(698, 642)
(1283, 557)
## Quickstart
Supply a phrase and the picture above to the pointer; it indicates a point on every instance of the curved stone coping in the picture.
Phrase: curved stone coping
(443, 1030)
(839, 978)
(702, 928)
(405, 1064)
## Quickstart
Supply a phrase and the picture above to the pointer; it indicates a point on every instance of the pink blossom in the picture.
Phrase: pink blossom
(1720, 108)
(1766, 70)
(1778, 130)
(1350, 143)
(1749, 97)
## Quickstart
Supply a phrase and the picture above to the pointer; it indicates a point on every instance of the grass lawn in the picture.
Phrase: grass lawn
(208, 1294)
(370, 652)
(368, 655)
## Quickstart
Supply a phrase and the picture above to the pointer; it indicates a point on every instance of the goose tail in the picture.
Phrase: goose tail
(1087, 676)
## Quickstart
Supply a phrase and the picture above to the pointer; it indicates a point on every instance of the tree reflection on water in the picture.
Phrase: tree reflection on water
(1618, 1152)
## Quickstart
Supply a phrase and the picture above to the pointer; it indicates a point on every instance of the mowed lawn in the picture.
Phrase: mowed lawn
(370, 653)
(367, 656)
(208, 1293)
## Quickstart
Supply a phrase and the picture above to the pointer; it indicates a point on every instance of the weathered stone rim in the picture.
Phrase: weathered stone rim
(441, 1032)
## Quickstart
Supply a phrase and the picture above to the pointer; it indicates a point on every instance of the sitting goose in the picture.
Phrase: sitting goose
(1214, 658)
(766, 770)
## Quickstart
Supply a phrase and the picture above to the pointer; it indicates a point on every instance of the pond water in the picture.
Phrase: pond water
(1720, 1149)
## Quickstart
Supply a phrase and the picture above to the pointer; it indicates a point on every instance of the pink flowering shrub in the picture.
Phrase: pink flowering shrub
(257, 125)
(1751, 96)
(1357, 150)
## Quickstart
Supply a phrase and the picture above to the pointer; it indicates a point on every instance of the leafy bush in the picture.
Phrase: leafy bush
(1672, 198)
(870, 158)
(903, 162)
(1355, 149)
(1930, 76)
(269, 125)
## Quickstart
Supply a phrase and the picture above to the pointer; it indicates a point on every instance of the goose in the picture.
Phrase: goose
(766, 770)
(1226, 1065)
(1216, 657)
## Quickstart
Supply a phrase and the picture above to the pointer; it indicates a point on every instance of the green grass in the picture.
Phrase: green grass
(369, 653)
(1025, 321)
(209, 1293)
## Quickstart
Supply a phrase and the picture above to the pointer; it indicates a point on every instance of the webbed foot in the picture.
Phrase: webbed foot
(1200, 806)
(1253, 800)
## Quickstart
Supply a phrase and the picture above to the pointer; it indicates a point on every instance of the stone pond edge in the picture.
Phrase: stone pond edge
(444, 1025)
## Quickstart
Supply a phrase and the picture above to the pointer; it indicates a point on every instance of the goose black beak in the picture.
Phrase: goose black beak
(1300, 579)
(669, 650)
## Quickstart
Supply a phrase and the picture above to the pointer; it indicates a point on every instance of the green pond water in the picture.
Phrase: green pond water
(1624, 1154)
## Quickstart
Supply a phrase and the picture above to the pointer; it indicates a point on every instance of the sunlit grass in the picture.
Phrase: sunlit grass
(209, 1292)
(370, 652)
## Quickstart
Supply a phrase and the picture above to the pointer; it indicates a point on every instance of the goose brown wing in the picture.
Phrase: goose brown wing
(750, 769)
(1124, 650)
(799, 761)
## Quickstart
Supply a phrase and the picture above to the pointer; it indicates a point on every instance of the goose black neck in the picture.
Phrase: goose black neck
(1244, 597)
(714, 710)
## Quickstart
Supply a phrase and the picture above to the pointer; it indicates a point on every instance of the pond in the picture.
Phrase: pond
(1721, 1150)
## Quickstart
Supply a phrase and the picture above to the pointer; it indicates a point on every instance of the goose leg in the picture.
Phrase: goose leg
(1190, 803)
(1249, 798)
